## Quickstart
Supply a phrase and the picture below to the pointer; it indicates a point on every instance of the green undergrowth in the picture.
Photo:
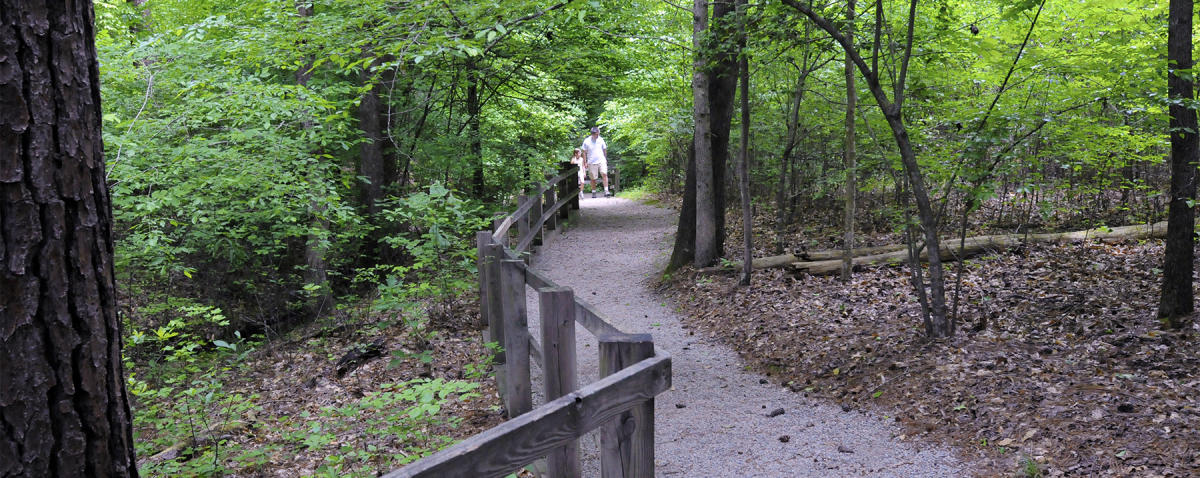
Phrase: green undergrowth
(640, 194)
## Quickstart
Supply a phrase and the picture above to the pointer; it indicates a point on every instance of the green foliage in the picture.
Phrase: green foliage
(438, 239)
(351, 435)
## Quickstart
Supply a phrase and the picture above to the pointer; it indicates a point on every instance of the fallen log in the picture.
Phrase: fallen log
(981, 244)
(819, 262)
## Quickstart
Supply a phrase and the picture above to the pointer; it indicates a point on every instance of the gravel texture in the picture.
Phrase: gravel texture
(718, 419)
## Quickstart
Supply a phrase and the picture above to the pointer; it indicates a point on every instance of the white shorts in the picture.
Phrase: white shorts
(582, 173)
(596, 169)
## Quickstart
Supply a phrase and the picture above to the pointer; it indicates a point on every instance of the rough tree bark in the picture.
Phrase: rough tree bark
(705, 251)
(64, 411)
(1176, 303)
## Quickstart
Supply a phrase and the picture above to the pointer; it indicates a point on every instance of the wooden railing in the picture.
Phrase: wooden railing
(620, 404)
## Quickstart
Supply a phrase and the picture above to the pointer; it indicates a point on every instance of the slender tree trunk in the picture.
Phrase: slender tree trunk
(936, 323)
(1176, 303)
(744, 153)
(705, 252)
(64, 411)
(851, 187)
(782, 218)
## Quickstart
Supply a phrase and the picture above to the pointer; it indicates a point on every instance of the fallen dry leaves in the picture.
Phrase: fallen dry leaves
(1058, 358)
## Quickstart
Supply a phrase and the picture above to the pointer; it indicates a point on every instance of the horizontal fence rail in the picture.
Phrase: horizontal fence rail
(620, 404)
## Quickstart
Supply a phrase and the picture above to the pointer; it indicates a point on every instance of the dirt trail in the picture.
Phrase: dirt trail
(714, 421)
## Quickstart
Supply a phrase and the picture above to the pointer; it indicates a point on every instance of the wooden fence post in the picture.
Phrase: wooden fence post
(483, 239)
(495, 312)
(522, 222)
(627, 442)
(535, 218)
(558, 364)
(548, 200)
(616, 177)
(564, 190)
(518, 397)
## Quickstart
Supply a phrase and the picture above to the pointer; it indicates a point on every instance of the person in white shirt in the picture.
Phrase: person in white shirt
(577, 159)
(595, 150)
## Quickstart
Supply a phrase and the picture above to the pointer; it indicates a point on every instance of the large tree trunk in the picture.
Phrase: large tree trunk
(370, 163)
(723, 78)
(64, 411)
(685, 232)
(705, 252)
(1177, 301)
(849, 159)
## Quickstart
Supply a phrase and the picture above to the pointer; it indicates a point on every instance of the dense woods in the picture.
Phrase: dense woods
(292, 173)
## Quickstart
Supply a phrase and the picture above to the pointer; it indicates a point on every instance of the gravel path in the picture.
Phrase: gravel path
(713, 421)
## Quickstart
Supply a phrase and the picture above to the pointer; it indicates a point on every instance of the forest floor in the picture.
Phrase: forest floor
(1059, 367)
(297, 414)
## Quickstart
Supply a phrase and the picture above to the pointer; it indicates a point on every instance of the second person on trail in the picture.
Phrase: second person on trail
(595, 150)
(577, 159)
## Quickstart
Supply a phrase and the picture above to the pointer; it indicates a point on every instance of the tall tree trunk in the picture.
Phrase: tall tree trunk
(744, 152)
(849, 159)
(1176, 303)
(722, 87)
(705, 252)
(370, 163)
(63, 405)
(473, 110)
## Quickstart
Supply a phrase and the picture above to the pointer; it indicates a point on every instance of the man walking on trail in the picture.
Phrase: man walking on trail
(595, 150)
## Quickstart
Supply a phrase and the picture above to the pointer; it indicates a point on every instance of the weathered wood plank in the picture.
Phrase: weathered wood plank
(505, 448)
(549, 215)
(502, 228)
(518, 394)
(535, 351)
(563, 174)
(483, 239)
(627, 442)
(591, 320)
(495, 330)
(585, 313)
(536, 221)
(499, 237)
(523, 223)
(558, 334)
(568, 172)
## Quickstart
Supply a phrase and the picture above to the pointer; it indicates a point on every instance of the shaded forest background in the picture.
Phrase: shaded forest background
(312, 173)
